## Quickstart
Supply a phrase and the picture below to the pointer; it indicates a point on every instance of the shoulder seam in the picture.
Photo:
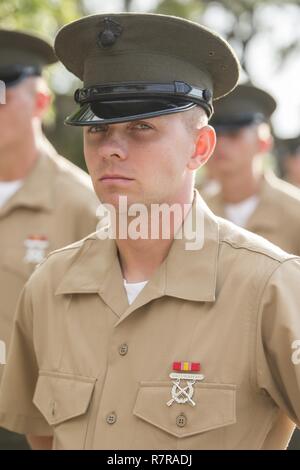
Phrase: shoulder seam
(74, 246)
(268, 255)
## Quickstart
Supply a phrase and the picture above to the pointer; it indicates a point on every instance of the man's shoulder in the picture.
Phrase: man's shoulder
(250, 244)
(57, 262)
(249, 261)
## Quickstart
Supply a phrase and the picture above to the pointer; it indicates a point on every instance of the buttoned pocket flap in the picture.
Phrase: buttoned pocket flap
(214, 407)
(62, 397)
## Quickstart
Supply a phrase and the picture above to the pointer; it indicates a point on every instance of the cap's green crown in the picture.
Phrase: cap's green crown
(146, 51)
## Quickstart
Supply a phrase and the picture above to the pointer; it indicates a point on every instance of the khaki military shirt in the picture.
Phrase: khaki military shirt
(94, 371)
(277, 215)
(54, 207)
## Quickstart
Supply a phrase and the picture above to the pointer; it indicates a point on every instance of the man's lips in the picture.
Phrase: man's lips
(115, 178)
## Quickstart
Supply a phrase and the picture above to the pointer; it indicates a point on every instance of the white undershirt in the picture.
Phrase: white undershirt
(133, 289)
(240, 213)
(8, 189)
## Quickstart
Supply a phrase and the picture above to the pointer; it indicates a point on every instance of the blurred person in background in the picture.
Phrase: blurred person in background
(207, 182)
(46, 202)
(250, 195)
(288, 158)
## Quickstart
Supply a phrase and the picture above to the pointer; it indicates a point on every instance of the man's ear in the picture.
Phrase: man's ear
(42, 103)
(265, 139)
(204, 147)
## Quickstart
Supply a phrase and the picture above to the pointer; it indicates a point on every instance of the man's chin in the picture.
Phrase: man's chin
(119, 201)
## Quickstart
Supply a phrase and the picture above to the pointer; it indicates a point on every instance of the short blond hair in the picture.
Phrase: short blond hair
(195, 118)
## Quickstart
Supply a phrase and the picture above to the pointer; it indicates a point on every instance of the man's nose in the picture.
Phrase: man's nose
(113, 146)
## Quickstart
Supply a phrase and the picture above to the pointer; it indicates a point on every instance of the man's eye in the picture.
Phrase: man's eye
(96, 129)
(142, 126)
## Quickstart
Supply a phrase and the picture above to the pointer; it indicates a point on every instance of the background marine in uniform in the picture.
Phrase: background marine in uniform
(46, 202)
(288, 158)
(249, 194)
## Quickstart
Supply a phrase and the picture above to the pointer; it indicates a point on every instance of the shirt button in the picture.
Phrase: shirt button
(111, 418)
(123, 349)
(181, 421)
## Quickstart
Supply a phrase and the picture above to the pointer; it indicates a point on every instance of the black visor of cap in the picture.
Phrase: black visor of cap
(12, 75)
(109, 112)
(123, 102)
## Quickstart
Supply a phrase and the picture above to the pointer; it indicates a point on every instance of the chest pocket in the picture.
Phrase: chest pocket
(64, 401)
(215, 408)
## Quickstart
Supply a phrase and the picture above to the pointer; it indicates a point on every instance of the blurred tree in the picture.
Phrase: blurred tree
(243, 21)
(46, 17)
(42, 17)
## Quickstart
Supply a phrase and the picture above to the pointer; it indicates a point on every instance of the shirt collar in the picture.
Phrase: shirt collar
(257, 221)
(185, 274)
(268, 204)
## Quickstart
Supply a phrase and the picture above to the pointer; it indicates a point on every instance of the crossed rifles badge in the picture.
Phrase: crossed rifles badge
(184, 394)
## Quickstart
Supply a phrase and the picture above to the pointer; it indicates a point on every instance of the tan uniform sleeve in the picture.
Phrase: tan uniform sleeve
(278, 339)
(17, 412)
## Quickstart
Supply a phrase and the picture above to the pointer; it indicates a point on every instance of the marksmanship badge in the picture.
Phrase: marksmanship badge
(180, 393)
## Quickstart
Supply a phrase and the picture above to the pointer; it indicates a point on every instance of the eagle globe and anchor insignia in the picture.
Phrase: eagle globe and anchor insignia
(184, 393)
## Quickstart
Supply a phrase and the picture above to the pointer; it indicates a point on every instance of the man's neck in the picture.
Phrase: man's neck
(17, 160)
(140, 258)
(238, 187)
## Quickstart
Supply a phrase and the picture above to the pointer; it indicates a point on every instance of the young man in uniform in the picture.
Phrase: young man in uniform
(143, 342)
(250, 195)
(46, 202)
